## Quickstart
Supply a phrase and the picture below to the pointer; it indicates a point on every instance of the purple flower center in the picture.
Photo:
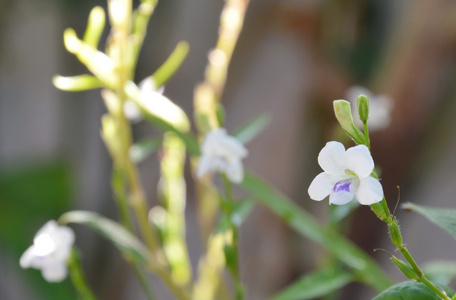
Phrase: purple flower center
(342, 186)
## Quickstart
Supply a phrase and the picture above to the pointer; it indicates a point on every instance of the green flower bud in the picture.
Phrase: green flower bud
(95, 26)
(363, 107)
(395, 233)
(342, 110)
(407, 270)
(379, 210)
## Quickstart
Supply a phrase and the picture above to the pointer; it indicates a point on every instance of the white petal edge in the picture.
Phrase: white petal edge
(26, 260)
(341, 198)
(321, 186)
(359, 160)
(235, 171)
(204, 166)
(55, 272)
(331, 158)
(370, 191)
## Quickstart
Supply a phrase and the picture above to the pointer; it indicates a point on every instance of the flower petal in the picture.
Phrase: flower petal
(321, 186)
(204, 166)
(341, 197)
(343, 191)
(55, 271)
(235, 171)
(331, 158)
(370, 191)
(359, 160)
(27, 259)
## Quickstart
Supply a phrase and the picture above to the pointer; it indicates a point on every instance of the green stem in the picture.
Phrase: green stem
(233, 267)
(118, 186)
(443, 295)
(366, 134)
(77, 277)
(396, 238)
(141, 275)
(164, 275)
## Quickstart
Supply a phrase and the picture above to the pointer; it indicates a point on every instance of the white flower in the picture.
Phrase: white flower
(222, 153)
(380, 108)
(346, 174)
(50, 250)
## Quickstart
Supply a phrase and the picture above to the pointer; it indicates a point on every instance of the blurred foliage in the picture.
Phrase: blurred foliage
(29, 196)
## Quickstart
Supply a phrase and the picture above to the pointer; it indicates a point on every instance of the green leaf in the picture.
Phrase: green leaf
(442, 217)
(440, 271)
(189, 140)
(412, 290)
(142, 149)
(314, 285)
(305, 224)
(231, 258)
(125, 241)
(250, 130)
(241, 209)
(220, 113)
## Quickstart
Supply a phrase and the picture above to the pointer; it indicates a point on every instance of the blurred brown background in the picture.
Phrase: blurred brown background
(293, 58)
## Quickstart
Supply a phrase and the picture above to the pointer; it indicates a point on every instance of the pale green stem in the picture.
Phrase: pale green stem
(117, 185)
(227, 208)
(172, 190)
(120, 37)
(366, 134)
(396, 235)
(77, 277)
(178, 292)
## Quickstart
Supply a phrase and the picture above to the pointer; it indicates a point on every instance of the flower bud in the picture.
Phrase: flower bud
(119, 13)
(342, 110)
(363, 107)
(395, 233)
(380, 211)
(95, 26)
(407, 270)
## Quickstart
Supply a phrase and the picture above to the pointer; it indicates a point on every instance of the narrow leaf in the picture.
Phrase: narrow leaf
(442, 217)
(187, 138)
(314, 285)
(250, 130)
(412, 290)
(125, 241)
(305, 224)
(142, 149)
(241, 210)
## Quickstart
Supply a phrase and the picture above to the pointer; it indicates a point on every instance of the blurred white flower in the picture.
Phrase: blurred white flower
(380, 108)
(50, 250)
(223, 153)
(346, 175)
(149, 92)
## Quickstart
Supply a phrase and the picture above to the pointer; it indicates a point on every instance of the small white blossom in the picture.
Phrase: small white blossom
(50, 250)
(346, 175)
(222, 153)
(380, 108)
